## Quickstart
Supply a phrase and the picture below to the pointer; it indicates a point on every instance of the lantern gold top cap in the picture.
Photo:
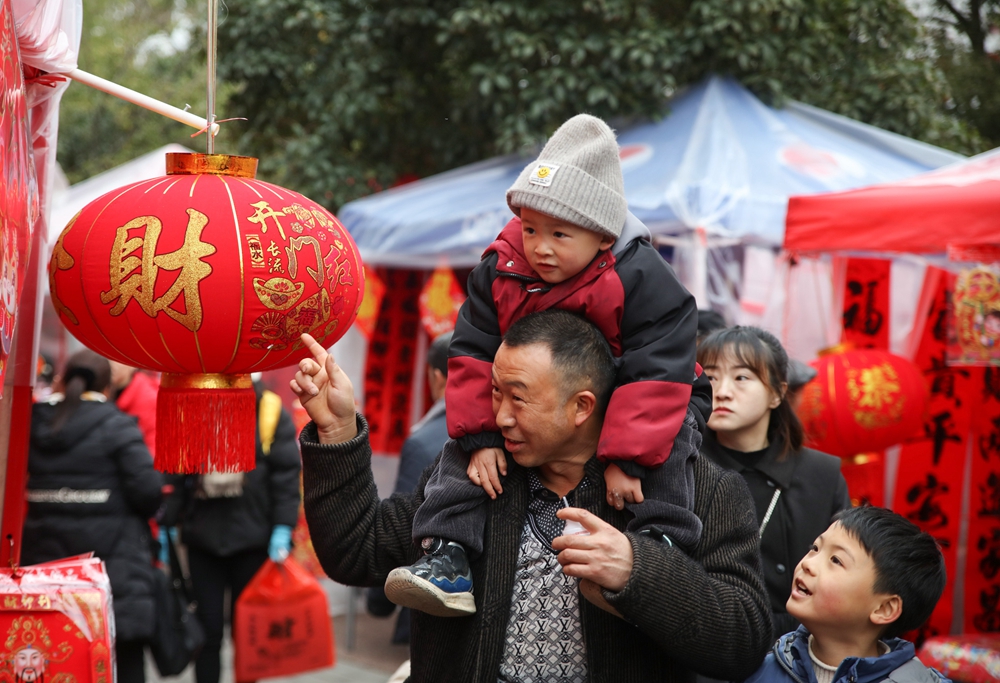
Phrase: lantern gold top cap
(179, 163)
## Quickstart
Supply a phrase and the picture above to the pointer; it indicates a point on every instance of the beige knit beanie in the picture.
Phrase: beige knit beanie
(577, 178)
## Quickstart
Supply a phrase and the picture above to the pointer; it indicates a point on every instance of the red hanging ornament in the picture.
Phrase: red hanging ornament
(205, 275)
(440, 301)
(371, 304)
(862, 401)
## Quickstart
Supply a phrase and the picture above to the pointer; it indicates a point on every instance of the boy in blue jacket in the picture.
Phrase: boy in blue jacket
(870, 577)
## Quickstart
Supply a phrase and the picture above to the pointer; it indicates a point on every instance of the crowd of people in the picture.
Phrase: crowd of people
(609, 485)
(92, 488)
(621, 498)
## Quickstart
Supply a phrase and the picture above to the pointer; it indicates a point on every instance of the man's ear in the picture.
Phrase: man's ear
(889, 609)
(584, 404)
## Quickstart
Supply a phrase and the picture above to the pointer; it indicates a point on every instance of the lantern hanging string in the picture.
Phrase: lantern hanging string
(213, 29)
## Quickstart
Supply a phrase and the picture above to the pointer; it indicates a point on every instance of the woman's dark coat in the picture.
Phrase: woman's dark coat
(98, 455)
(812, 491)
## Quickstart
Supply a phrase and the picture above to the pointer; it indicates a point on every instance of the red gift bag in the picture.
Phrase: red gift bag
(281, 625)
(56, 622)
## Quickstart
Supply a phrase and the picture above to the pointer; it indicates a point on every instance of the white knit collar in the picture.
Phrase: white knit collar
(882, 649)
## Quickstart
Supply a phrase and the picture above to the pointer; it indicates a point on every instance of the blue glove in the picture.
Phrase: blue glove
(281, 543)
(164, 551)
(164, 556)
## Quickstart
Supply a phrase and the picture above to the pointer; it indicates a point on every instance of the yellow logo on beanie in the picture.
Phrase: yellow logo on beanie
(543, 174)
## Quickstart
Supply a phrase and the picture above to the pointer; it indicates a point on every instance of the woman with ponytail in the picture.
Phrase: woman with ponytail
(92, 488)
(754, 431)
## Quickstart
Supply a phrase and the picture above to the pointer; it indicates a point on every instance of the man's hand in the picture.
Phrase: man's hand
(621, 487)
(485, 467)
(604, 556)
(326, 393)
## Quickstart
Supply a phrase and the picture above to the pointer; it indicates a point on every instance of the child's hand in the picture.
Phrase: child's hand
(485, 468)
(621, 487)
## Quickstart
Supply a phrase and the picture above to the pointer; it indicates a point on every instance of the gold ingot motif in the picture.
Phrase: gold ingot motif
(278, 293)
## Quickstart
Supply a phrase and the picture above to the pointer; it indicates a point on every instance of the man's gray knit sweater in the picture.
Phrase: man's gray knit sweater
(707, 612)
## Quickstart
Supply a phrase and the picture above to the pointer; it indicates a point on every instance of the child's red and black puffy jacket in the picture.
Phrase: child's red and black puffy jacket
(632, 296)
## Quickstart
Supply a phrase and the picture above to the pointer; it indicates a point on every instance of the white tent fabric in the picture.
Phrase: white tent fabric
(66, 203)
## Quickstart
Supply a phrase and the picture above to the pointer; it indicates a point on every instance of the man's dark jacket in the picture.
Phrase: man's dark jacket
(707, 612)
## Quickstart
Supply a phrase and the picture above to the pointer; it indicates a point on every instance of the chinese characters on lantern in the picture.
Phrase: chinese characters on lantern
(135, 277)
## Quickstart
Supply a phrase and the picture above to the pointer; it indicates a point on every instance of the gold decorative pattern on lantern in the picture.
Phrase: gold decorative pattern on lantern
(179, 163)
(308, 315)
(170, 380)
(61, 260)
(278, 293)
(127, 284)
(876, 395)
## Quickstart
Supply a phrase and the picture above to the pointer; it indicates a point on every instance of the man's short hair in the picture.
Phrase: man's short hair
(579, 350)
(437, 352)
(908, 562)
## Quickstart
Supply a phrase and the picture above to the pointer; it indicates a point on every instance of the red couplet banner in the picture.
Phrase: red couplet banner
(982, 574)
(390, 363)
(866, 303)
(866, 323)
(929, 484)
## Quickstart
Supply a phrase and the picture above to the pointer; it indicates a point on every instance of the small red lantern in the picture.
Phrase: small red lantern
(862, 401)
(205, 275)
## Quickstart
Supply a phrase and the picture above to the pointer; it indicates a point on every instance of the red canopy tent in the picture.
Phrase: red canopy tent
(873, 234)
(957, 206)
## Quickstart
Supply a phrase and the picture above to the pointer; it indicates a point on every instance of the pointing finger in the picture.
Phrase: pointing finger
(315, 348)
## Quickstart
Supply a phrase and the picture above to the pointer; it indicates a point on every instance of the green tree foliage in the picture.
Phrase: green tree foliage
(345, 96)
(972, 70)
(135, 44)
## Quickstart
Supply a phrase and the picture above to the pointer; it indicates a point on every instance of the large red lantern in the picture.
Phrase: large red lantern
(862, 401)
(205, 275)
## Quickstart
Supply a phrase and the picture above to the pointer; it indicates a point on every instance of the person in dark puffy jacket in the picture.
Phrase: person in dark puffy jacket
(231, 523)
(92, 487)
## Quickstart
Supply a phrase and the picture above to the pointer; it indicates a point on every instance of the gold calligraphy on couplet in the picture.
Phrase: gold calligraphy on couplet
(134, 274)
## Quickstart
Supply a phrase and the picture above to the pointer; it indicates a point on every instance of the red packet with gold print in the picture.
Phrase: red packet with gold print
(56, 623)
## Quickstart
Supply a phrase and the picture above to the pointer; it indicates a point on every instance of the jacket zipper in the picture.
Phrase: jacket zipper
(525, 279)
(788, 669)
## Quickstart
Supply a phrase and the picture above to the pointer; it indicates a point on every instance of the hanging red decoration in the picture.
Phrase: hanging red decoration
(440, 300)
(862, 401)
(205, 275)
(371, 303)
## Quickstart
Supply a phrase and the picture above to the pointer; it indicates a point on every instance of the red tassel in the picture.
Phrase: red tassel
(205, 423)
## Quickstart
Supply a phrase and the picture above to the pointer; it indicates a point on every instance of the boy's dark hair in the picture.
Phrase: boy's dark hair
(908, 562)
(579, 350)
(760, 351)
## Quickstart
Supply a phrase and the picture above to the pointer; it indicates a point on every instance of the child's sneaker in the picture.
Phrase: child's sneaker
(440, 583)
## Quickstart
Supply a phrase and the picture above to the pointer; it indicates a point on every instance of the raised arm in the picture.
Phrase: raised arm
(358, 538)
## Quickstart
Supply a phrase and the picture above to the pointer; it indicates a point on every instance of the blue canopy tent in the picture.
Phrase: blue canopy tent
(721, 163)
